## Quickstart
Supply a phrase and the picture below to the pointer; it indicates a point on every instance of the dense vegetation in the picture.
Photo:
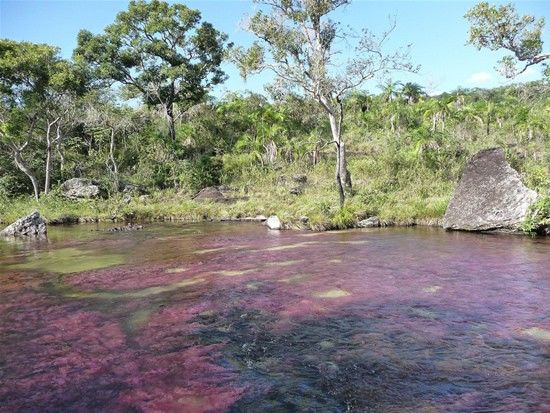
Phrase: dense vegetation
(405, 150)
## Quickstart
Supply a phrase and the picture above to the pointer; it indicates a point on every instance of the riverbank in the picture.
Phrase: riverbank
(304, 211)
(301, 198)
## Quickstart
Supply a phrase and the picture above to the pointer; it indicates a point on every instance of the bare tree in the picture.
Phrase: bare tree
(305, 49)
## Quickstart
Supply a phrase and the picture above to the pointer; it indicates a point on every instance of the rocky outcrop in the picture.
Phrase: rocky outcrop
(80, 188)
(273, 222)
(370, 222)
(490, 195)
(29, 226)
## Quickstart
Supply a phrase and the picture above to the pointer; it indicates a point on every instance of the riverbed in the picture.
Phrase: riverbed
(234, 317)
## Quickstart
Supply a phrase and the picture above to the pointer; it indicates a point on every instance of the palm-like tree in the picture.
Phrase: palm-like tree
(412, 92)
(390, 90)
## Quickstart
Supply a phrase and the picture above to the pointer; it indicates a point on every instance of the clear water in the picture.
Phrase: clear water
(215, 317)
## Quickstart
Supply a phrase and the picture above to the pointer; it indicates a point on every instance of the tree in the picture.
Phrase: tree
(500, 27)
(104, 118)
(162, 53)
(300, 44)
(412, 92)
(36, 86)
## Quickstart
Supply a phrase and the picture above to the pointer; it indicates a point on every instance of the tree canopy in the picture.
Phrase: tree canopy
(501, 27)
(163, 53)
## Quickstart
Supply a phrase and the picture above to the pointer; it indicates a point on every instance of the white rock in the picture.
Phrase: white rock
(273, 222)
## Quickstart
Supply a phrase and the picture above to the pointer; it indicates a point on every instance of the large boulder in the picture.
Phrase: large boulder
(77, 188)
(490, 195)
(29, 226)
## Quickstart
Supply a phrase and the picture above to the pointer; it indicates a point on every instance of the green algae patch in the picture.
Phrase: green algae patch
(353, 242)
(144, 292)
(209, 250)
(432, 289)
(254, 285)
(69, 260)
(334, 293)
(424, 313)
(283, 263)
(234, 273)
(326, 344)
(137, 319)
(175, 270)
(291, 246)
(296, 278)
(538, 333)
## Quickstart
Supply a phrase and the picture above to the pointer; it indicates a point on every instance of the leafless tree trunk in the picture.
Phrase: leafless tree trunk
(113, 160)
(22, 165)
(49, 153)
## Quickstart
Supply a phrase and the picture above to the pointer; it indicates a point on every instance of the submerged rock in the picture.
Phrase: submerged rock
(29, 226)
(273, 222)
(490, 195)
(76, 188)
(125, 228)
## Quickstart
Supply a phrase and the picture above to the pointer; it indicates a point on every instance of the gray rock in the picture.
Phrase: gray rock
(304, 219)
(77, 188)
(273, 222)
(210, 193)
(134, 189)
(370, 222)
(29, 226)
(297, 190)
(301, 179)
(490, 195)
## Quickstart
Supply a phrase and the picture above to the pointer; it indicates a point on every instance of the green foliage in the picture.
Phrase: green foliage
(161, 52)
(538, 217)
(205, 171)
(500, 27)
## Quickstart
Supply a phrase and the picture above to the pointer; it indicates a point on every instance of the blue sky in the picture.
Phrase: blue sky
(436, 29)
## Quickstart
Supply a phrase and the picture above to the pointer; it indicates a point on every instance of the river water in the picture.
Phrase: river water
(233, 317)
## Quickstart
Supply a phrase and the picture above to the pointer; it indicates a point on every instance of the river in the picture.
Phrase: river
(233, 317)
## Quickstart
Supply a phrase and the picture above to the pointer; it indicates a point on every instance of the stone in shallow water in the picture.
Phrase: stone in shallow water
(273, 222)
(29, 226)
(538, 333)
(490, 195)
(334, 293)
(432, 289)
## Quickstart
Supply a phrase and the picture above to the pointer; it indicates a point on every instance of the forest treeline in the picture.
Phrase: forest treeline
(145, 122)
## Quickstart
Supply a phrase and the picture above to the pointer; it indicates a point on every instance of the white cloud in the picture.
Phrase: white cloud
(480, 78)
